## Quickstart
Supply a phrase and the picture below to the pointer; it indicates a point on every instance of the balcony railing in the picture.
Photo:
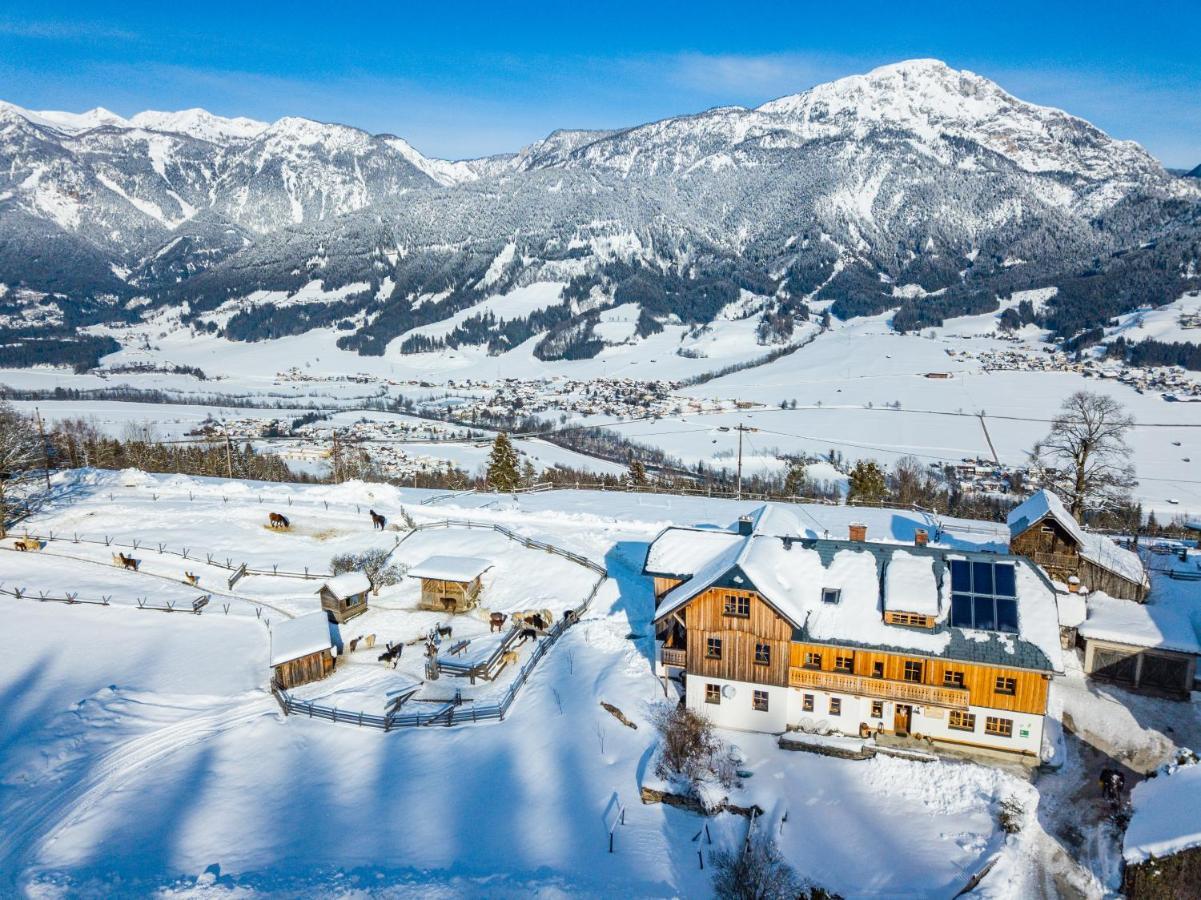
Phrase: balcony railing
(879, 687)
(1062, 561)
(673, 657)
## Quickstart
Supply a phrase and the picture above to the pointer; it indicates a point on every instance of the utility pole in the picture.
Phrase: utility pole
(45, 449)
(335, 456)
(741, 429)
(229, 459)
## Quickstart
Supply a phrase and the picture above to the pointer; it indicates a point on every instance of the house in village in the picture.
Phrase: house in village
(1043, 530)
(773, 629)
(345, 596)
(301, 650)
(450, 583)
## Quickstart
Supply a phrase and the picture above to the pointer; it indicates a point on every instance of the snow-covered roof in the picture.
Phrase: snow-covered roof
(451, 568)
(1072, 608)
(293, 638)
(1096, 548)
(910, 584)
(791, 573)
(1164, 818)
(683, 551)
(348, 584)
(1151, 625)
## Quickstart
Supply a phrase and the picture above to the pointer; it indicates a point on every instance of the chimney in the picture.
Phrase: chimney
(921, 537)
(745, 525)
(858, 531)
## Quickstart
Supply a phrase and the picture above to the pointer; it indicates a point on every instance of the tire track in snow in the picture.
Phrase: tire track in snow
(40, 821)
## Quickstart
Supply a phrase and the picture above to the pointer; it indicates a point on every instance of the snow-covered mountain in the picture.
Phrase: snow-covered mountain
(915, 186)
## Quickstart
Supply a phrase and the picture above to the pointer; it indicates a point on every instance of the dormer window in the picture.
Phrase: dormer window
(831, 595)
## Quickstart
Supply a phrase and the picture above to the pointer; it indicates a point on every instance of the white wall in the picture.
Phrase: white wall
(736, 711)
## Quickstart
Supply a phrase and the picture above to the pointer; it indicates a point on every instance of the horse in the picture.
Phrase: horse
(191, 578)
(527, 634)
(444, 631)
(278, 520)
(496, 621)
(26, 544)
(392, 654)
(377, 521)
(125, 562)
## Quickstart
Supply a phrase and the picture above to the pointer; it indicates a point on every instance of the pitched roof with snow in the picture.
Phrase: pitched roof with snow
(1153, 625)
(1164, 820)
(347, 585)
(1096, 548)
(293, 638)
(451, 568)
(792, 573)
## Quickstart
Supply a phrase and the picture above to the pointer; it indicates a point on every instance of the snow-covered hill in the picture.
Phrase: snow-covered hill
(915, 186)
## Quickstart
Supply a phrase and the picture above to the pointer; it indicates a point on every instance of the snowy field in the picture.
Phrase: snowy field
(142, 753)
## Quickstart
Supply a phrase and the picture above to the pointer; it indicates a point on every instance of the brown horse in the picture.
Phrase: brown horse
(277, 520)
(377, 521)
(125, 562)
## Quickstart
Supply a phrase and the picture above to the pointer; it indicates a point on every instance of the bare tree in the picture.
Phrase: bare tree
(757, 871)
(1085, 459)
(20, 454)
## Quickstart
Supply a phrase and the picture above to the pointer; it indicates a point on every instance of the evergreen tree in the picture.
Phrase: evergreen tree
(502, 465)
(867, 482)
(795, 482)
(637, 472)
(529, 475)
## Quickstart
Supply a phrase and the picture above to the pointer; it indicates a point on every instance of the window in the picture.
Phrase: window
(836, 706)
(844, 661)
(984, 596)
(759, 701)
(877, 709)
(713, 693)
(913, 670)
(807, 703)
(962, 721)
(763, 654)
(1006, 685)
(737, 606)
(813, 660)
(831, 595)
(999, 727)
(951, 678)
(916, 620)
(713, 648)
(877, 670)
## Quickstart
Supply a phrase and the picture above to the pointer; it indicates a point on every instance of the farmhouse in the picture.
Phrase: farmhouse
(773, 630)
(301, 650)
(1149, 647)
(450, 583)
(1043, 530)
(1162, 845)
(345, 596)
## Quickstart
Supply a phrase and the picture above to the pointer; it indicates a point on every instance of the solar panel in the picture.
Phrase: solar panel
(983, 596)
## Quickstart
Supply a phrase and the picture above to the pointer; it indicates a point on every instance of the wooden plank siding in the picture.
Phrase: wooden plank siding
(664, 584)
(1050, 545)
(1030, 694)
(704, 617)
(305, 669)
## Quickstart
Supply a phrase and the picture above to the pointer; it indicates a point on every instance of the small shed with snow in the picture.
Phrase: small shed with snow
(1162, 844)
(345, 596)
(301, 650)
(450, 583)
(1149, 647)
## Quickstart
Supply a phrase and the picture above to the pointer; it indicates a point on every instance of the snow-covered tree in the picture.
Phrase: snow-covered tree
(1085, 458)
(795, 481)
(20, 453)
(867, 482)
(502, 464)
(756, 871)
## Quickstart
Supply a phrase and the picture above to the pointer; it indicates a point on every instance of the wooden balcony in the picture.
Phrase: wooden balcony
(904, 691)
(674, 657)
(1060, 562)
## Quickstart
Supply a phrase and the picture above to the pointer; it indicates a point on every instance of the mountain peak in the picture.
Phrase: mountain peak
(199, 123)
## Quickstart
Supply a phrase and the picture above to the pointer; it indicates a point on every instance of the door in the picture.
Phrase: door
(901, 718)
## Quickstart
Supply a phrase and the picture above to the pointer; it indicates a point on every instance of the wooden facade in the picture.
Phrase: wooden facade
(443, 595)
(304, 669)
(1050, 545)
(343, 609)
(664, 584)
(912, 620)
(966, 684)
(742, 638)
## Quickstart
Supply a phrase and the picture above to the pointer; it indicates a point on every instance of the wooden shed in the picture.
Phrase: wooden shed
(301, 650)
(345, 596)
(1145, 647)
(450, 583)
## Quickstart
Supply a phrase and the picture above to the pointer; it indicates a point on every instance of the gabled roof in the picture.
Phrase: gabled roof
(293, 638)
(347, 584)
(451, 568)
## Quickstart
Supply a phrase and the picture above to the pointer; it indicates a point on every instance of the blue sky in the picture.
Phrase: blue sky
(464, 79)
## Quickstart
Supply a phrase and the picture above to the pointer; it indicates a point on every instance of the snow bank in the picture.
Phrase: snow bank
(1165, 818)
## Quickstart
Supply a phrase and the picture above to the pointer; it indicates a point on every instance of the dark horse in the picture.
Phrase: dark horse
(377, 521)
(278, 520)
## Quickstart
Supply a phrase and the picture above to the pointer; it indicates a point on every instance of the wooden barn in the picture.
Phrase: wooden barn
(1141, 646)
(1042, 530)
(450, 583)
(345, 596)
(301, 650)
